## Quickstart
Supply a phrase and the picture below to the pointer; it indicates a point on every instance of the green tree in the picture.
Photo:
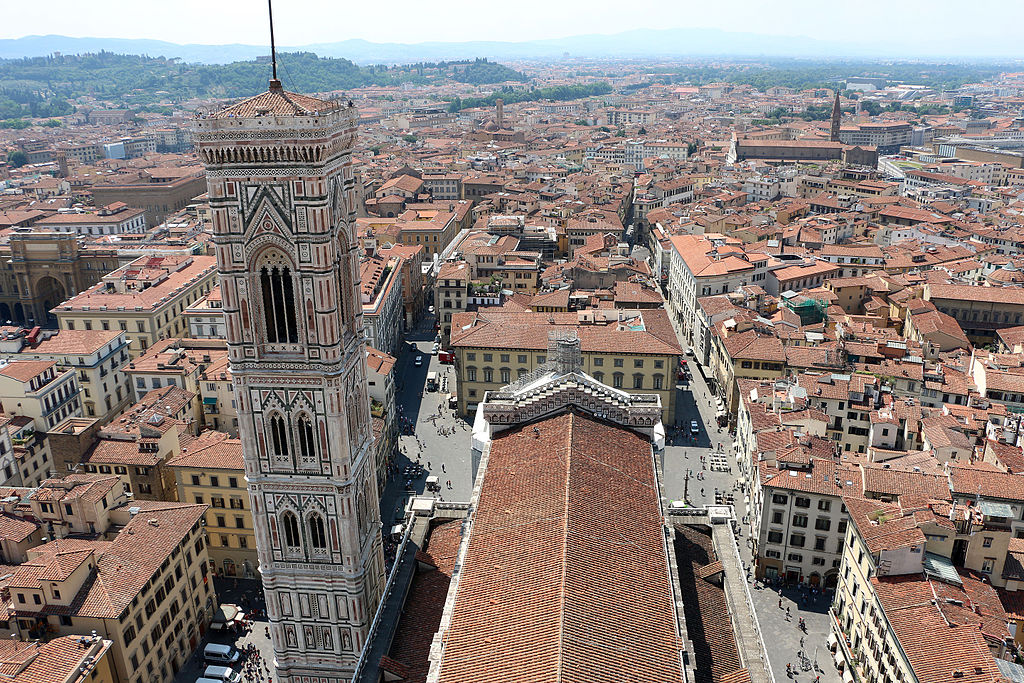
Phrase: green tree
(409, 138)
(17, 158)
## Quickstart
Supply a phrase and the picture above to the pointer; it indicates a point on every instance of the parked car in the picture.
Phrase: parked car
(694, 427)
(433, 351)
(419, 360)
(223, 655)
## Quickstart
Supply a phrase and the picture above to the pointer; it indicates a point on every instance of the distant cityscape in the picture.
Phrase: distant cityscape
(492, 370)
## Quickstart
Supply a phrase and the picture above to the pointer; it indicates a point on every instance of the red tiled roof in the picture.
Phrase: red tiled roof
(565, 575)
(938, 638)
(425, 604)
(276, 102)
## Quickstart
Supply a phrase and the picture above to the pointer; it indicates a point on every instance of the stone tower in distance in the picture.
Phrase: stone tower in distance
(280, 180)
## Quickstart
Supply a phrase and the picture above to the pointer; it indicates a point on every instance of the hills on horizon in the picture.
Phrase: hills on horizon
(649, 43)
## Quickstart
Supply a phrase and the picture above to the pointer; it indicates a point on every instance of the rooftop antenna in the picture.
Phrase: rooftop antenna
(275, 84)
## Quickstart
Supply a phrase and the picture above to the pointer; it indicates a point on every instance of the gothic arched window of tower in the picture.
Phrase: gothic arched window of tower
(277, 290)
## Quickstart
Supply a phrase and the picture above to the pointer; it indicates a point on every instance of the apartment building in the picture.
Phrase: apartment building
(413, 289)
(220, 412)
(909, 600)
(210, 471)
(205, 317)
(432, 229)
(633, 350)
(175, 363)
(703, 265)
(77, 504)
(979, 311)
(146, 588)
(97, 357)
(888, 137)
(68, 659)
(380, 289)
(39, 390)
(159, 191)
(451, 294)
(145, 298)
(136, 446)
(801, 517)
(380, 381)
(114, 219)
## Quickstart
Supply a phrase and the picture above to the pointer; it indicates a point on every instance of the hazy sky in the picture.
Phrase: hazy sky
(300, 22)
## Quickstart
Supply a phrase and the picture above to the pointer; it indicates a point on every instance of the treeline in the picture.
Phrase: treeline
(16, 103)
(509, 95)
(47, 83)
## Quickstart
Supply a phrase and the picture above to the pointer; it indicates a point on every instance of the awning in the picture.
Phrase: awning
(210, 400)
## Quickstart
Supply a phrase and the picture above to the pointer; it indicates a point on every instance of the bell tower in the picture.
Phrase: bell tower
(281, 194)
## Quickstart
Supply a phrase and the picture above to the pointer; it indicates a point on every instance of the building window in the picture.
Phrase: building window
(802, 502)
(823, 524)
(278, 435)
(775, 537)
(488, 374)
(638, 381)
(291, 529)
(824, 505)
(796, 540)
(279, 304)
(307, 446)
(506, 375)
(470, 374)
(800, 521)
(599, 376)
(317, 536)
(617, 380)
(618, 362)
(658, 381)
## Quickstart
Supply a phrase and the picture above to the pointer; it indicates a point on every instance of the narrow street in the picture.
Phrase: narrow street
(446, 456)
(778, 611)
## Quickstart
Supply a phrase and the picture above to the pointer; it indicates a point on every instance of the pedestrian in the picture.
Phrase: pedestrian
(442, 467)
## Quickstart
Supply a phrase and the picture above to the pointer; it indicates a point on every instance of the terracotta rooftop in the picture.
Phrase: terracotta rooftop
(277, 102)
(565, 575)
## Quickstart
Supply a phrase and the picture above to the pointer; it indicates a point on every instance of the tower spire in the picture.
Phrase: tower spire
(275, 84)
(836, 114)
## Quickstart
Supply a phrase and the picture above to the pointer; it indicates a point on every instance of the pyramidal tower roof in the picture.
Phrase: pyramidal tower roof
(277, 101)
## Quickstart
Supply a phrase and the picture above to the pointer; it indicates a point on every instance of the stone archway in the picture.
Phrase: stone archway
(19, 313)
(5, 313)
(48, 294)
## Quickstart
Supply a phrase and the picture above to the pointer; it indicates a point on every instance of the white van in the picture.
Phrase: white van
(224, 674)
(222, 655)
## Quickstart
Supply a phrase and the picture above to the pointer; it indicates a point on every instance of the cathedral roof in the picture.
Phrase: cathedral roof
(277, 102)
